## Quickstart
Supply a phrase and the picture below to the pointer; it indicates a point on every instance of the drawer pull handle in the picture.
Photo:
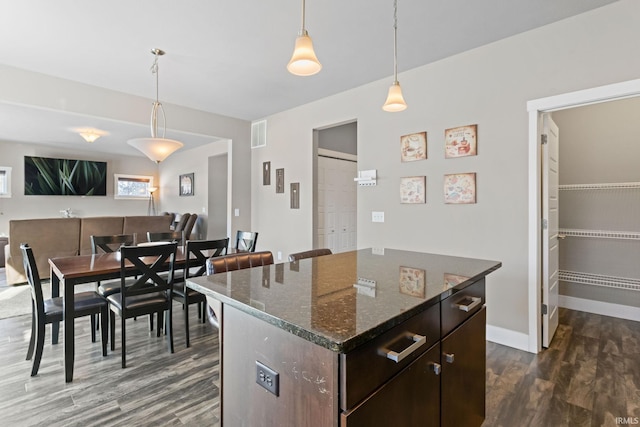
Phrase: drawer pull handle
(419, 340)
(437, 368)
(475, 301)
(449, 357)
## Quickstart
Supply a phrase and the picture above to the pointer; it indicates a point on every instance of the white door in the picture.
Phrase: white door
(336, 204)
(550, 248)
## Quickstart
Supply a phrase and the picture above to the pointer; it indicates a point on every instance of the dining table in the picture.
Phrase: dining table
(75, 270)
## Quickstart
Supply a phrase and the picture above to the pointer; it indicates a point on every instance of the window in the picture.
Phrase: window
(5, 181)
(132, 186)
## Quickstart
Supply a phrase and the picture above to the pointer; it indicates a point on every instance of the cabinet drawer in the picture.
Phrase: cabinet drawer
(410, 399)
(462, 305)
(369, 366)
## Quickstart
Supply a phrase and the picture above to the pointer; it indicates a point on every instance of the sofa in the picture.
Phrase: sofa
(59, 237)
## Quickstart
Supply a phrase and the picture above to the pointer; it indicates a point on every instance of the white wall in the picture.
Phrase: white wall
(19, 206)
(27, 88)
(488, 86)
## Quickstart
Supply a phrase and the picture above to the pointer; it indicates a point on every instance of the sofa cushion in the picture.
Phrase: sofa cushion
(141, 224)
(49, 238)
(98, 226)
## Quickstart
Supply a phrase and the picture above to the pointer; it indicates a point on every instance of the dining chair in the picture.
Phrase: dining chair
(246, 241)
(197, 253)
(182, 222)
(110, 244)
(309, 254)
(188, 228)
(150, 293)
(50, 311)
(232, 262)
(166, 236)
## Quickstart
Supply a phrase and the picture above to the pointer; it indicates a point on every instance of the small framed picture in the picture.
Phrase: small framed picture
(413, 281)
(280, 180)
(461, 141)
(266, 173)
(460, 188)
(413, 189)
(413, 147)
(186, 184)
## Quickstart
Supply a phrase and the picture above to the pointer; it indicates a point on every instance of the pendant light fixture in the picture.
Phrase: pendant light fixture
(304, 61)
(157, 148)
(395, 101)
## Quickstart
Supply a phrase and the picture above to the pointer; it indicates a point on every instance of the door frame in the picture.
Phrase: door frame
(535, 109)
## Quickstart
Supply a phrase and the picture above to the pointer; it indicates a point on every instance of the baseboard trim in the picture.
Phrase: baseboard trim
(508, 337)
(600, 307)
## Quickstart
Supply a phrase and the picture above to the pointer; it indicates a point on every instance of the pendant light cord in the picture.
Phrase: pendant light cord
(395, 41)
(303, 30)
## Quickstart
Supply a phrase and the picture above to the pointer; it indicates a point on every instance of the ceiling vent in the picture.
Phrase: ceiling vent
(259, 134)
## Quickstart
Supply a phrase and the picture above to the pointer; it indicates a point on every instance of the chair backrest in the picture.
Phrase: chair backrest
(238, 261)
(182, 222)
(246, 241)
(309, 254)
(148, 261)
(112, 243)
(188, 228)
(166, 236)
(31, 270)
(198, 251)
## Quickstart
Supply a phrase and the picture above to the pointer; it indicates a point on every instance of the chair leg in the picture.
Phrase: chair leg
(186, 321)
(151, 322)
(104, 315)
(204, 312)
(160, 323)
(93, 328)
(112, 327)
(39, 346)
(55, 332)
(124, 343)
(32, 341)
(170, 327)
(199, 310)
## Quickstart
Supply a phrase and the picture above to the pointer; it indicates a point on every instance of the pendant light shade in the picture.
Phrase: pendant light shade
(157, 148)
(395, 101)
(304, 61)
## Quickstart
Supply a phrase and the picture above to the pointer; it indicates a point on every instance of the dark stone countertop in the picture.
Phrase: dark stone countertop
(343, 300)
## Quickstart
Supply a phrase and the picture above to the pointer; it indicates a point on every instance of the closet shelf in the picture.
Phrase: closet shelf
(599, 280)
(605, 186)
(600, 234)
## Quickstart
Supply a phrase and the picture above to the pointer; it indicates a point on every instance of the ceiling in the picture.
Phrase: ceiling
(229, 57)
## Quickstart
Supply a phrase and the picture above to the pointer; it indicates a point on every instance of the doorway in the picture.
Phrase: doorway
(536, 108)
(335, 194)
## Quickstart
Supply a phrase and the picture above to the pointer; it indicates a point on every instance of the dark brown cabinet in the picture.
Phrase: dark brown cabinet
(463, 373)
(411, 398)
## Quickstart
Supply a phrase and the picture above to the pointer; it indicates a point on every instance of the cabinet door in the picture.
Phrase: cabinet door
(463, 373)
(411, 398)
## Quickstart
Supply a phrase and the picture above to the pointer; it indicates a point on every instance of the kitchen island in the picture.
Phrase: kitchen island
(363, 338)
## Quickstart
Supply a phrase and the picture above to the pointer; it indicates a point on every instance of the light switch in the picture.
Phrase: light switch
(236, 212)
(377, 216)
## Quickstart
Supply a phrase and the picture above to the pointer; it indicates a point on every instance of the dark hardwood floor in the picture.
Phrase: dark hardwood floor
(156, 389)
(589, 376)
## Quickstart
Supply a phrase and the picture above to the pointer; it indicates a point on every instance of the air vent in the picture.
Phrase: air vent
(259, 134)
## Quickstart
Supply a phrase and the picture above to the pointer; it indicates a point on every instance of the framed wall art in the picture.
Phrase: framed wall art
(461, 141)
(413, 281)
(186, 184)
(279, 180)
(413, 147)
(295, 195)
(413, 189)
(460, 188)
(266, 173)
